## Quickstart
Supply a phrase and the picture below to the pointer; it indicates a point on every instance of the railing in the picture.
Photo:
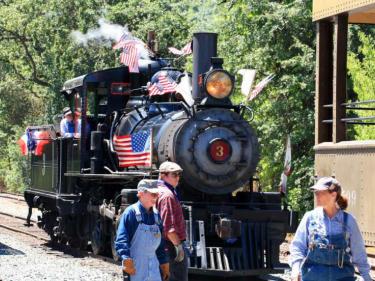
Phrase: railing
(355, 106)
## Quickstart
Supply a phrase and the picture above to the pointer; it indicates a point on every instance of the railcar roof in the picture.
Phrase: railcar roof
(73, 83)
(360, 11)
(91, 77)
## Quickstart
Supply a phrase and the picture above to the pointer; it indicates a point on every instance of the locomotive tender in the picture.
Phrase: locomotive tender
(81, 190)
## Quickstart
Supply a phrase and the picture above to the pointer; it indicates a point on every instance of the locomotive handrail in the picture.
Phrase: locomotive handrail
(249, 109)
(233, 204)
(159, 109)
(127, 173)
(111, 131)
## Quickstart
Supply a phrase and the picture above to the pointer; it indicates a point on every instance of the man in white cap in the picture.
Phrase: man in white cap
(67, 123)
(172, 216)
(139, 241)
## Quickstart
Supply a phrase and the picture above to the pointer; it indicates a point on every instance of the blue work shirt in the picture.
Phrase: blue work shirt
(67, 128)
(127, 228)
(330, 226)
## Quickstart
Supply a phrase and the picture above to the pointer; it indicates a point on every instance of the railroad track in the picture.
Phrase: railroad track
(12, 196)
(18, 224)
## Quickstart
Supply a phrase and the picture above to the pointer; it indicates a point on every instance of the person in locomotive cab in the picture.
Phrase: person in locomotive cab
(328, 243)
(77, 122)
(139, 240)
(172, 216)
(67, 123)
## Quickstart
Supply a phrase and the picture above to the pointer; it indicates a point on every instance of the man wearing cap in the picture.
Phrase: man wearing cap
(67, 124)
(139, 241)
(328, 243)
(171, 213)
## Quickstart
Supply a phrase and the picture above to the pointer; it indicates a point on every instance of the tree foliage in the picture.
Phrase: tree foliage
(362, 72)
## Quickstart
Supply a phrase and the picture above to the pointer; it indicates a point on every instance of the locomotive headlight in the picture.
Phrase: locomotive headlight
(219, 84)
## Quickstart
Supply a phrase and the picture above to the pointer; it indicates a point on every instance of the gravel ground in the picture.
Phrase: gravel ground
(27, 259)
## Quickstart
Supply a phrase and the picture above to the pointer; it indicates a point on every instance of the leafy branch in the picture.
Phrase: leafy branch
(22, 40)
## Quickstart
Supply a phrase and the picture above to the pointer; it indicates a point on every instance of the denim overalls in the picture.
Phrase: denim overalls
(145, 241)
(328, 256)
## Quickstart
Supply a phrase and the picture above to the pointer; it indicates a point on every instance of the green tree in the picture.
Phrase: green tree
(361, 69)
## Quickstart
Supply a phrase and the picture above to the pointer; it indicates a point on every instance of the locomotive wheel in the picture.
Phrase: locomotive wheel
(98, 238)
(78, 243)
(115, 256)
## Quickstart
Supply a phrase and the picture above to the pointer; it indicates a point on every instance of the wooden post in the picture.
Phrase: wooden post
(323, 86)
(339, 76)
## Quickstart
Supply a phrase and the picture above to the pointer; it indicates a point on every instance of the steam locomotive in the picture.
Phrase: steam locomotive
(81, 187)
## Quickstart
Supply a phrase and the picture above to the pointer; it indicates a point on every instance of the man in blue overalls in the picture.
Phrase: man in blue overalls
(139, 241)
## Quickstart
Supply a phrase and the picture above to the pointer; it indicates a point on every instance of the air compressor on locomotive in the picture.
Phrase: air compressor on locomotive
(81, 188)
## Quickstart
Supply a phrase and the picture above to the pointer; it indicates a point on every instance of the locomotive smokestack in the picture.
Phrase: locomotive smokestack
(204, 48)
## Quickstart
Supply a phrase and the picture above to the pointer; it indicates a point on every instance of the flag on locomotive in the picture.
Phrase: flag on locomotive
(163, 85)
(131, 51)
(33, 141)
(186, 50)
(134, 149)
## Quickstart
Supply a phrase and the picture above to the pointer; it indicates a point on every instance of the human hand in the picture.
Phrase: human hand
(165, 271)
(179, 253)
(128, 266)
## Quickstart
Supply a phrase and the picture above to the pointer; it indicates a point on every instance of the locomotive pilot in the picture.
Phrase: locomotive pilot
(139, 240)
(169, 206)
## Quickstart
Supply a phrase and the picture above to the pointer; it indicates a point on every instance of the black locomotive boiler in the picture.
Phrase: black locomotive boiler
(81, 188)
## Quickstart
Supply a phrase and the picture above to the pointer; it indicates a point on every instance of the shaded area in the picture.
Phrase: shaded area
(6, 250)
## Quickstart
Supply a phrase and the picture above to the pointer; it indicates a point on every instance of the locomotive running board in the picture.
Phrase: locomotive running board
(123, 175)
(234, 273)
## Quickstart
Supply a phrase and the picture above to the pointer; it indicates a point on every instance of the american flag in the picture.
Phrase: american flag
(260, 86)
(163, 86)
(124, 39)
(134, 149)
(130, 56)
(154, 90)
(22, 142)
(33, 141)
(186, 50)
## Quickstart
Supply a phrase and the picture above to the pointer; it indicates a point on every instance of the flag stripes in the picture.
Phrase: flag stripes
(129, 57)
(186, 50)
(260, 86)
(163, 86)
(134, 149)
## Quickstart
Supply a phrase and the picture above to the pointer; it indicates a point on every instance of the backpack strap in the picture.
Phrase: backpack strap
(156, 216)
(345, 227)
(138, 214)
